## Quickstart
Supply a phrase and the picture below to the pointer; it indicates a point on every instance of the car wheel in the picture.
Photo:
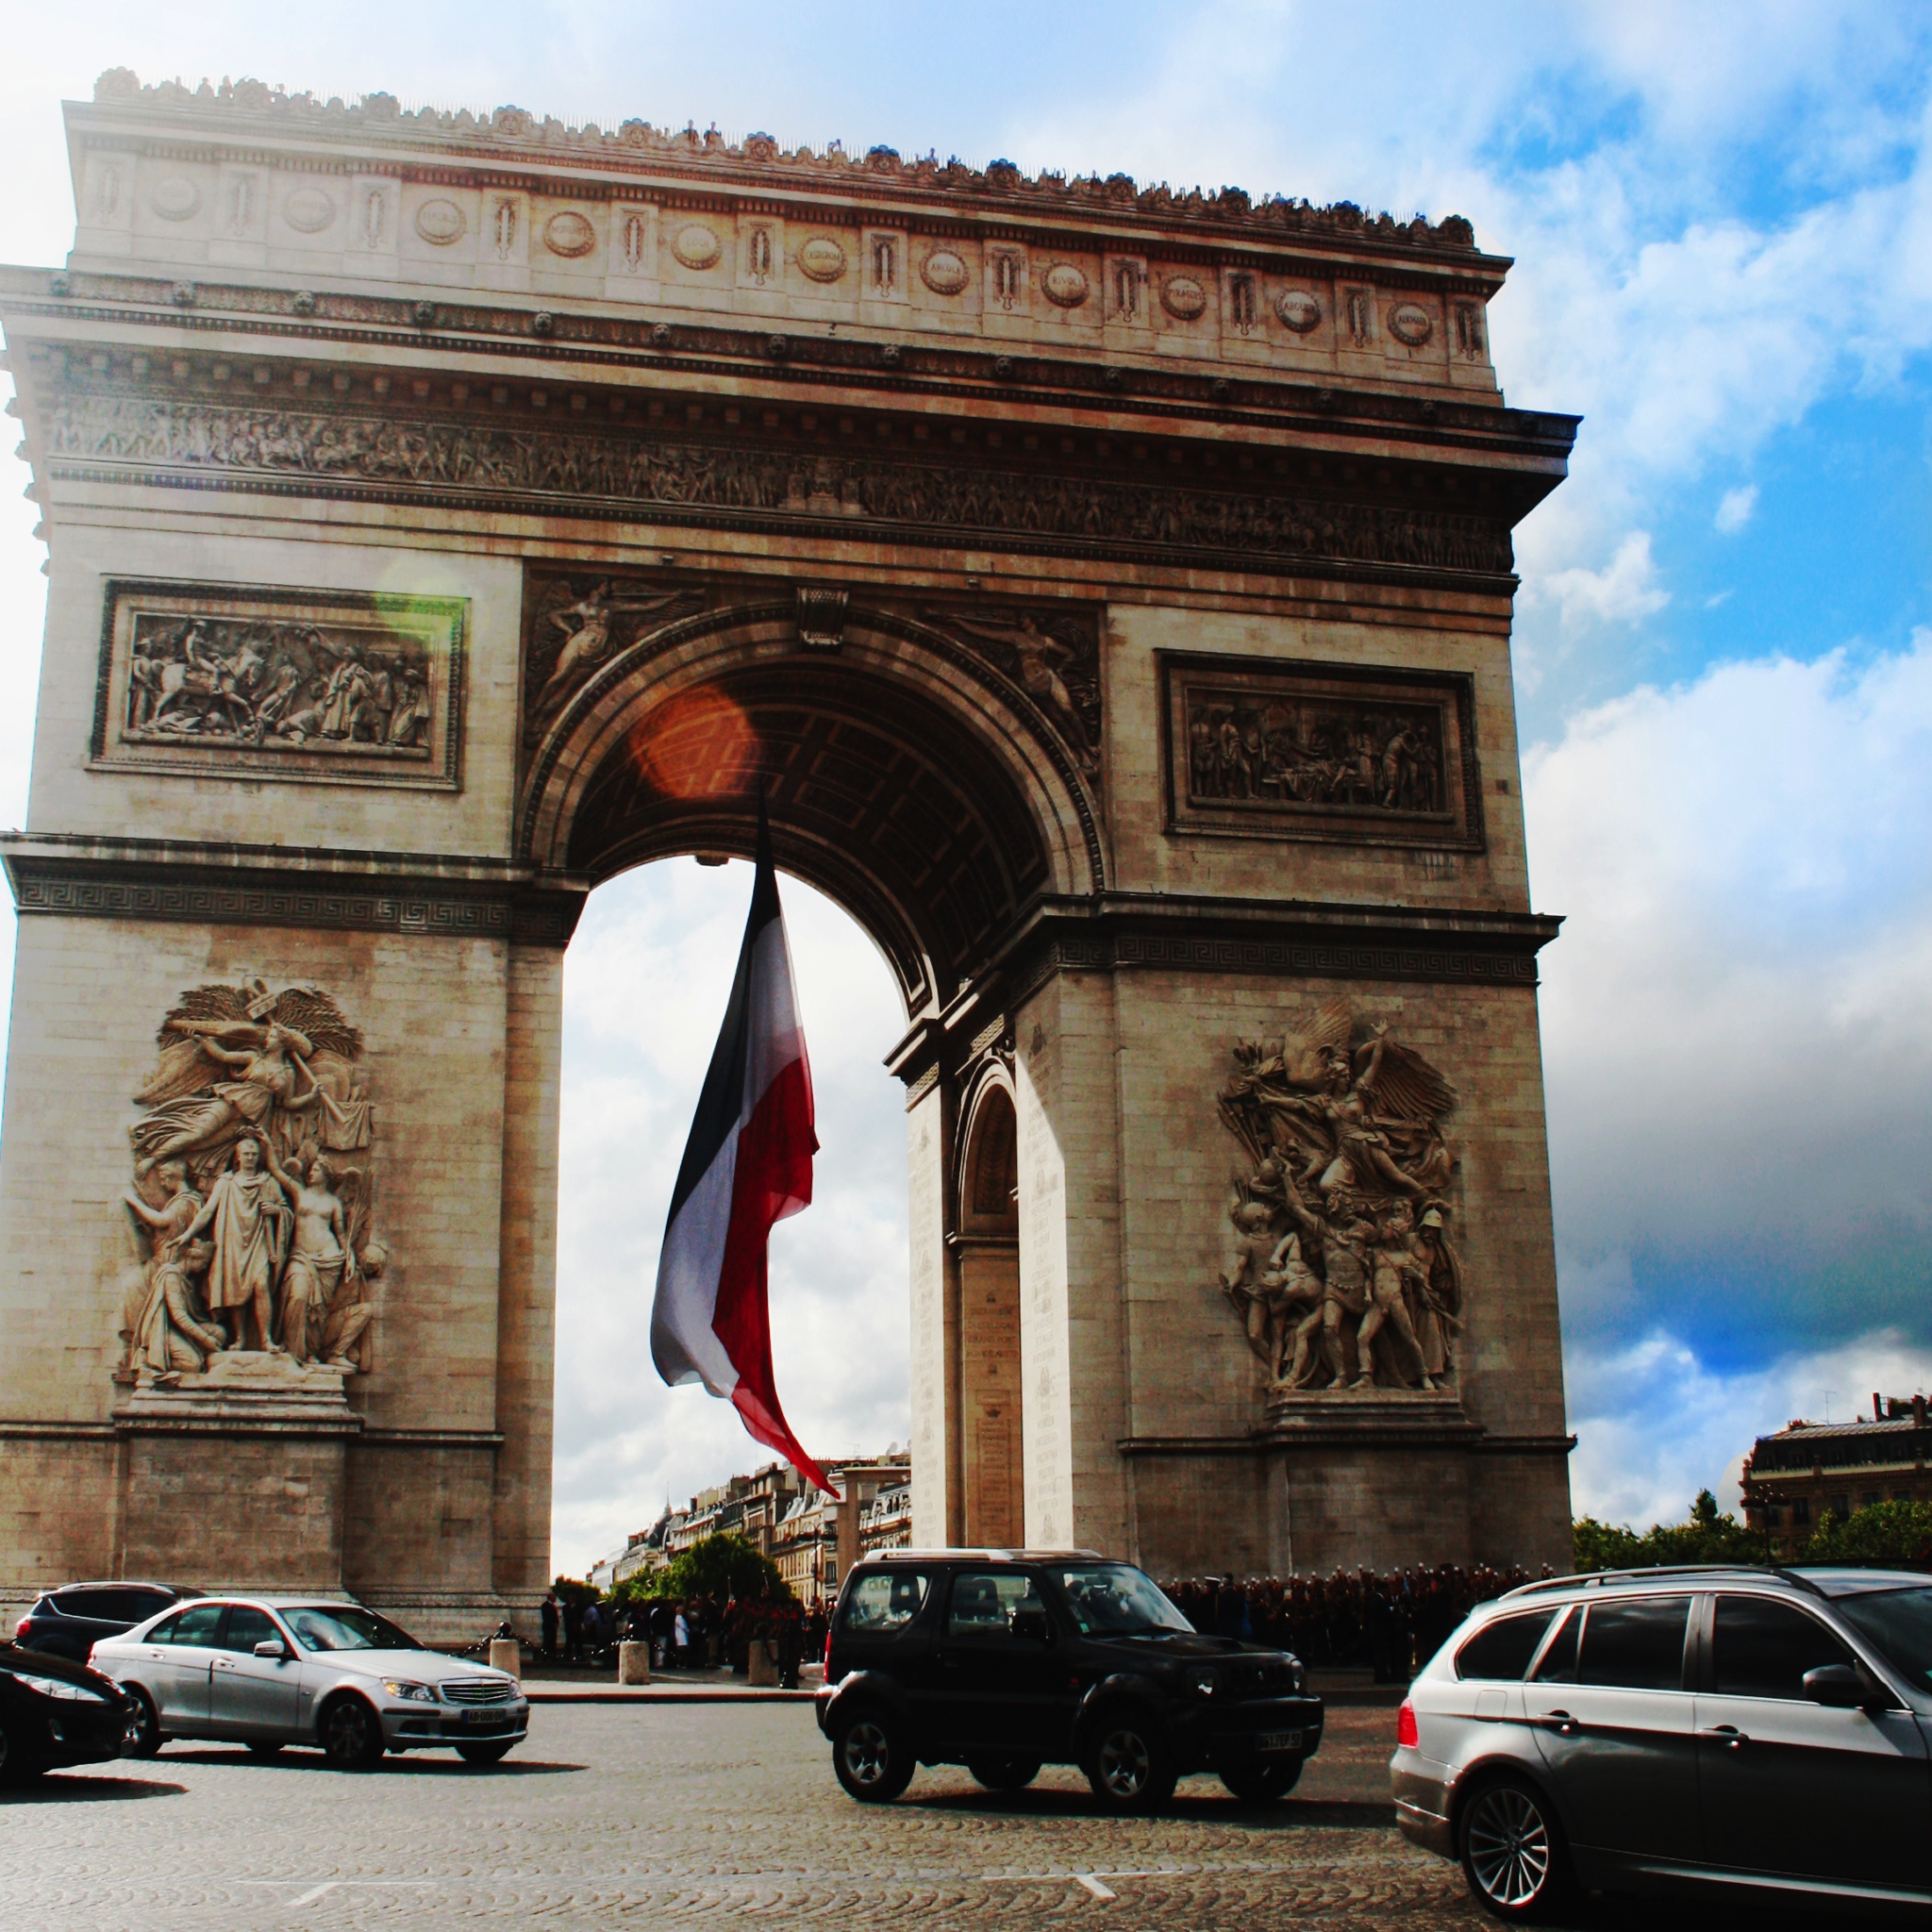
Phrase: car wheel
(1004, 1774)
(1256, 1784)
(264, 1749)
(16, 1766)
(1129, 1765)
(486, 1751)
(351, 1735)
(1512, 1851)
(143, 1734)
(873, 1756)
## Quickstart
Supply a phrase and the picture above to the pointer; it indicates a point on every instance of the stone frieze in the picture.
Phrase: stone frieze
(591, 473)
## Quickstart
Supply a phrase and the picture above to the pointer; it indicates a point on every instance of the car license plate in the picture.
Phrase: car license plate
(1278, 1740)
(486, 1717)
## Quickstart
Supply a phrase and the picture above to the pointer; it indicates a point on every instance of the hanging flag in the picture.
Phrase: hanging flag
(746, 1166)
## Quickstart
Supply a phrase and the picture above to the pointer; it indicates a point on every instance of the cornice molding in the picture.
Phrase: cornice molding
(79, 876)
(249, 111)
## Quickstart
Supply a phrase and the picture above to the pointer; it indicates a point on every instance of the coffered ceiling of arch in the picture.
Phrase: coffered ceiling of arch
(878, 794)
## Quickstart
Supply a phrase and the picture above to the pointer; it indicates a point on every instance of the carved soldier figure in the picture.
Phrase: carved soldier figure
(175, 1335)
(1395, 1265)
(1346, 1236)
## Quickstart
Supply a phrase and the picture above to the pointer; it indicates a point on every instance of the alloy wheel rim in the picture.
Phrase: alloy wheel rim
(1123, 1764)
(866, 1751)
(1509, 1847)
(346, 1728)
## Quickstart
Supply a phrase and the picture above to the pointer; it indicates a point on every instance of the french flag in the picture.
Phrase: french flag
(746, 1166)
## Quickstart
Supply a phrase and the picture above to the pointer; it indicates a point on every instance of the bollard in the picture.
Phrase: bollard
(761, 1671)
(507, 1654)
(633, 1662)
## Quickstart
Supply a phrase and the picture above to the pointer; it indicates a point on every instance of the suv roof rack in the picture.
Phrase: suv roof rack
(1595, 1579)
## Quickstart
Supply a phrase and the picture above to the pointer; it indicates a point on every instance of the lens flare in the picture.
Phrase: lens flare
(698, 745)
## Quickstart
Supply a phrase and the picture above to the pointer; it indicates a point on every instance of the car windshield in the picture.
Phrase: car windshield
(1115, 1600)
(345, 1627)
(1898, 1623)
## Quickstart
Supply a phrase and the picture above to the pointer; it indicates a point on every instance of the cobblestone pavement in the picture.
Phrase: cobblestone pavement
(659, 1816)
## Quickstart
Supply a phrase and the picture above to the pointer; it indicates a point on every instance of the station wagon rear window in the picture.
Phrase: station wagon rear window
(885, 1600)
(1500, 1652)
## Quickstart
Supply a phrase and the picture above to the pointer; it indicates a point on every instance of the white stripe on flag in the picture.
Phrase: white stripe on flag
(688, 1272)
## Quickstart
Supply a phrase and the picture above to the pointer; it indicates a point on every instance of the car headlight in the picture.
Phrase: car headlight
(1202, 1684)
(413, 1693)
(58, 1687)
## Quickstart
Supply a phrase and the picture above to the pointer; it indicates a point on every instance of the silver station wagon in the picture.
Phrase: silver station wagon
(1731, 1729)
(266, 1671)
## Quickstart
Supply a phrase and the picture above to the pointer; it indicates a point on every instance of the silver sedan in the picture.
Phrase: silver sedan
(266, 1671)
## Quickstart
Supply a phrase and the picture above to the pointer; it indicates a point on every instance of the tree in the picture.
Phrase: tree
(725, 1565)
(1879, 1533)
(1708, 1536)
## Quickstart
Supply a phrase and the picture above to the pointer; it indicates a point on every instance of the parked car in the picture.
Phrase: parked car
(266, 1671)
(1746, 1729)
(1004, 1660)
(70, 1622)
(54, 1711)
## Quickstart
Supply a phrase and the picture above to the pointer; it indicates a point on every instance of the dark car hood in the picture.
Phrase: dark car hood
(1180, 1648)
(42, 1663)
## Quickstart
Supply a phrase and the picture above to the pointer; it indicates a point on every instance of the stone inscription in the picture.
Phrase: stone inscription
(1344, 1272)
(319, 686)
(331, 452)
(1314, 751)
(254, 1189)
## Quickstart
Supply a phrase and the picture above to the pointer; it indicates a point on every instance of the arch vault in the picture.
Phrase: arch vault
(1112, 596)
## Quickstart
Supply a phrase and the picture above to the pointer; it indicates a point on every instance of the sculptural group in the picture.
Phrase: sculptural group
(1343, 1271)
(252, 1230)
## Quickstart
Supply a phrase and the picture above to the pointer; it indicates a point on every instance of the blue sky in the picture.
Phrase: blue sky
(1723, 223)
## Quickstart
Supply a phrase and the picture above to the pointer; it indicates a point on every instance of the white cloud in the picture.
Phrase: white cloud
(1655, 1424)
(1736, 509)
(1737, 1042)
(1624, 591)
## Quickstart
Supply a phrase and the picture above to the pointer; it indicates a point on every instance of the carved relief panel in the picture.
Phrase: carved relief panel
(253, 1205)
(1345, 1273)
(1320, 751)
(324, 687)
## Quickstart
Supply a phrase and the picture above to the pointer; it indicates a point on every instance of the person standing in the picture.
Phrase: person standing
(574, 1627)
(549, 1616)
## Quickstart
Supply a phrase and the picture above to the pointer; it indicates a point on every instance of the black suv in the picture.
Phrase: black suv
(70, 1622)
(1004, 1660)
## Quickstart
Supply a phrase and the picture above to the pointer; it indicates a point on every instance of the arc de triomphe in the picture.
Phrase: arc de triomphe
(1112, 588)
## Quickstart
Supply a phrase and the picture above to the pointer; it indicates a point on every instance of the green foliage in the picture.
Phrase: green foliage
(722, 1566)
(574, 1589)
(1707, 1537)
(1879, 1533)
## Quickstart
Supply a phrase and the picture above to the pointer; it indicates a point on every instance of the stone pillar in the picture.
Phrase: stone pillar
(633, 1662)
(934, 1478)
(992, 1444)
(526, 1296)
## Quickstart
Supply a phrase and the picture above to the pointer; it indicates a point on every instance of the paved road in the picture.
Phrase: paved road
(661, 1816)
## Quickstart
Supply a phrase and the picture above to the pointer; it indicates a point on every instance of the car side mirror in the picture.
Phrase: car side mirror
(1846, 1686)
(1031, 1627)
(272, 1646)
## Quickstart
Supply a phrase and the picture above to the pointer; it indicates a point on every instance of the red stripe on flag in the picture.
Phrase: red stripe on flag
(772, 1179)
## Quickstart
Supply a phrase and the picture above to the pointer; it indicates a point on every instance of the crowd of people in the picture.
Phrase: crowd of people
(1390, 1624)
(686, 1634)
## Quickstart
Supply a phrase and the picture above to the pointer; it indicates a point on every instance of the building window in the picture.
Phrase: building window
(1801, 1511)
(1841, 1507)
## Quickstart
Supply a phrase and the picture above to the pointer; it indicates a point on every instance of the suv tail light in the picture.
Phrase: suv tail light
(828, 1651)
(24, 1629)
(1406, 1733)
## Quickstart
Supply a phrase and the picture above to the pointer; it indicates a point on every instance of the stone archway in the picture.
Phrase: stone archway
(1114, 593)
